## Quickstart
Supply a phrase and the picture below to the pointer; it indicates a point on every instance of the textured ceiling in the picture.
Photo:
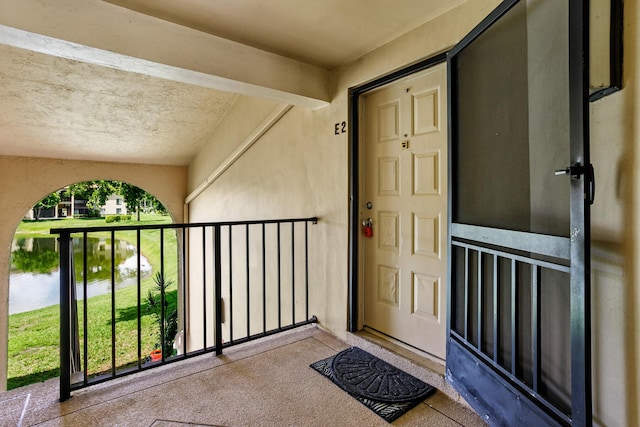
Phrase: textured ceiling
(55, 107)
(60, 108)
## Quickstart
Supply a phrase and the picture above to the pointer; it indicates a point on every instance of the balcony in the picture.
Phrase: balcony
(267, 382)
(244, 337)
(216, 285)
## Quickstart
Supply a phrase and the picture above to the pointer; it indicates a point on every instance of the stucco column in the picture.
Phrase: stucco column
(24, 181)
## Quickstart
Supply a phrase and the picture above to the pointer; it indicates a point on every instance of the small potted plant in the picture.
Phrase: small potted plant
(155, 355)
(164, 309)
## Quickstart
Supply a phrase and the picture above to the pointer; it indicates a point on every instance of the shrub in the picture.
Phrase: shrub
(93, 213)
(117, 218)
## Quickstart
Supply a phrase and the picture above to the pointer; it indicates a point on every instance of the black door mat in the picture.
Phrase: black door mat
(383, 388)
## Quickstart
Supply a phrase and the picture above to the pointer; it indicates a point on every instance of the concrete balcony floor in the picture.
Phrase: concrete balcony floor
(263, 383)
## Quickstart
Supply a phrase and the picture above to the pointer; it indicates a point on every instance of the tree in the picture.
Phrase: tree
(154, 204)
(159, 207)
(51, 201)
(102, 189)
(132, 196)
(97, 192)
(80, 190)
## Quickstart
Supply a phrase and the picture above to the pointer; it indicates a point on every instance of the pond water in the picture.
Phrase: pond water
(35, 277)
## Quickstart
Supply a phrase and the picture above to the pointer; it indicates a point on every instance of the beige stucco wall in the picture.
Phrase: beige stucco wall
(24, 181)
(301, 168)
(295, 170)
(615, 136)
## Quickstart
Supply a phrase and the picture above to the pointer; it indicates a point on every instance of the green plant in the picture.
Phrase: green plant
(51, 201)
(164, 309)
(117, 218)
(112, 218)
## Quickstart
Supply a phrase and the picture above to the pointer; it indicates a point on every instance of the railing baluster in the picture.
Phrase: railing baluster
(306, 270)
(65, 317)
(264, 280)
(204, 287)
(467, 307)
(139, 297)
(113, 303)
(496, 309)
(184, 291)
(279, 283)
(230, 283)
(293, 274)
(480, 301)
(85, 284)
(163, 284)
(248, 280)
(514, 317)
(535, 326)
(218, 289)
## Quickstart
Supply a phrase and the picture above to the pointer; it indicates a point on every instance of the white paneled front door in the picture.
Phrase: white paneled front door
(405, 185)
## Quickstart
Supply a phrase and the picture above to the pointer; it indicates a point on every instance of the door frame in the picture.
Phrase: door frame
(354, 317)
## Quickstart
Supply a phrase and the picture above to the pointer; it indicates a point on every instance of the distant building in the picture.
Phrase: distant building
(70, 206)
(115, 205)
(67, 207)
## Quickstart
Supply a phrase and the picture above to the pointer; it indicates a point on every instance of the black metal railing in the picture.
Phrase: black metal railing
(215, 285)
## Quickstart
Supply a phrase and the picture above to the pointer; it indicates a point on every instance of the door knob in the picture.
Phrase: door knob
(576, 171)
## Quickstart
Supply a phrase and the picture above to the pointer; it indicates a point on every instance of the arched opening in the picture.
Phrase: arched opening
(21, 190)
(113, 272)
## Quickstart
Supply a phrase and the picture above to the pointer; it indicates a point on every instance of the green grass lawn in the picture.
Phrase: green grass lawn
(34, 335)
(29, 227)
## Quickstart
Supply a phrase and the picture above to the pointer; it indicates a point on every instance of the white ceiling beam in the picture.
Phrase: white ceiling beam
(100, 33)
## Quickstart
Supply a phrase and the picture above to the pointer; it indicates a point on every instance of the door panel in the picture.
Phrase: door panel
(405, 261)
(519, 292)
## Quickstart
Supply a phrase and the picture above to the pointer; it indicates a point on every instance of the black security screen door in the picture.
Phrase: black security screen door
(519, 347)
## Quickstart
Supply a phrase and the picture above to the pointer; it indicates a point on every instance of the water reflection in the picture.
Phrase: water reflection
(34, 279)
